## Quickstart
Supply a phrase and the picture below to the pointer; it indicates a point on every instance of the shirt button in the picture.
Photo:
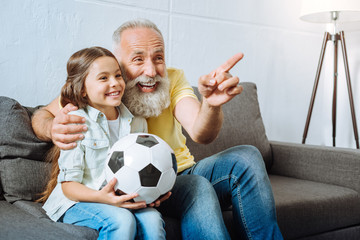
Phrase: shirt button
(94, 144)
(101, 115)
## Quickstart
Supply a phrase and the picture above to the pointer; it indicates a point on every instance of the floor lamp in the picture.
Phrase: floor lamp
(332, 11)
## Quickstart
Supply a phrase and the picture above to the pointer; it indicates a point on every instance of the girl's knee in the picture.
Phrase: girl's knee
(150, 215)
(150, 224)
(121, 222)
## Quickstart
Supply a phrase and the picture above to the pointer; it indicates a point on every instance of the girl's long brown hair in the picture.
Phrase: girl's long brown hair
(72, 92)
(52, 158)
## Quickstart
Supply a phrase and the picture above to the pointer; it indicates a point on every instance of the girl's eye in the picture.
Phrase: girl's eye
(103, 78)
(118, 76)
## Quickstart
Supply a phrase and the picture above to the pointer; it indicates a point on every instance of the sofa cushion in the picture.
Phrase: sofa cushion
(17, 138)
(242, 125)
(23, 178)
(306, 208)
(36, 210)
(172, 225)
(17, 224)
(1, 190)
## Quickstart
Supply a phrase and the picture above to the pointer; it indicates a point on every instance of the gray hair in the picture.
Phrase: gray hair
(132, 24)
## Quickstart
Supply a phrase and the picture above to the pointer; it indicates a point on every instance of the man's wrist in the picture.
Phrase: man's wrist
(207, 105)
(42, 127)
(49, 123)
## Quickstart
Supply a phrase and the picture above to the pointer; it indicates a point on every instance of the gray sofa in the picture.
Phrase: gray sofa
(316, 189)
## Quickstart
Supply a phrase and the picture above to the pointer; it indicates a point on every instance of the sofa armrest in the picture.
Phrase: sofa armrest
(337, 166)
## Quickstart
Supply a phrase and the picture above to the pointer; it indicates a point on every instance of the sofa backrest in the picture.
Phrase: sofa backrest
(242, 125)
(22, 170)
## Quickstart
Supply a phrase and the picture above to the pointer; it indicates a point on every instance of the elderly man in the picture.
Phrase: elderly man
(163, 96)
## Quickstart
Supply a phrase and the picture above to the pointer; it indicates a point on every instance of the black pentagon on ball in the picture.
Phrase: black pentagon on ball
(146, 140)
(174, 163)
(149, 176)
(116, 161)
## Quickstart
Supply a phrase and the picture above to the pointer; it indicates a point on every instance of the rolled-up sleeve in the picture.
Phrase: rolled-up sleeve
(71, 164)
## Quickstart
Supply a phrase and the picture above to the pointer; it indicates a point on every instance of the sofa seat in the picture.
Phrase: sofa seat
(35, 211)
(306, 208)
(300, 205)
(18, 224)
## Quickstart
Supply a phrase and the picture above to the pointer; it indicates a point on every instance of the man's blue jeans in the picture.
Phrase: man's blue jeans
(116, 223)
(239, 178)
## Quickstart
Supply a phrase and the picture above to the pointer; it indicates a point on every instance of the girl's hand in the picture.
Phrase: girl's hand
(107, 195)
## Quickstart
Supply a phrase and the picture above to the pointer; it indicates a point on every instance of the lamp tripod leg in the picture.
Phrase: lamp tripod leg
(351, 99)
(316, 83)
(335, 91)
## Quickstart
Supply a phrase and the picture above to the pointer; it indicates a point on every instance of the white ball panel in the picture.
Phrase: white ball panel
(161, 158)
(147, 194)
(137, 157)
(124, 143)
(128, 180)
(166, 181)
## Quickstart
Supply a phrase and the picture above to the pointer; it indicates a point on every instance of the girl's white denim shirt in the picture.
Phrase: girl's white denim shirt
(86, 162)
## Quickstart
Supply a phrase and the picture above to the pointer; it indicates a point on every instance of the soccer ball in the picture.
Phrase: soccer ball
(142, 163)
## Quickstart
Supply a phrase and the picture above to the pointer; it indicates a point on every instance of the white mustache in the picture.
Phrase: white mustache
(143, 80)
(147, 104)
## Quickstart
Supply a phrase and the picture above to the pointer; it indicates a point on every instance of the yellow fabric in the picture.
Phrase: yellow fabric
(167, 127)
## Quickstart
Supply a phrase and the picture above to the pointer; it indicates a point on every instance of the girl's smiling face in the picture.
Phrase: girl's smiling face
(104, 86)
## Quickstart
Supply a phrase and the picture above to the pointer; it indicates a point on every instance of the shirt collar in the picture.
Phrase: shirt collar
(95, 114)
(124, 111)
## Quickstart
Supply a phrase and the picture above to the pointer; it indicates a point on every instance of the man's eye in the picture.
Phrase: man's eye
(159, 59)
(137, 59)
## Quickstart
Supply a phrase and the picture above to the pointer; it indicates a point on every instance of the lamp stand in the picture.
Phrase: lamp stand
(335, 38)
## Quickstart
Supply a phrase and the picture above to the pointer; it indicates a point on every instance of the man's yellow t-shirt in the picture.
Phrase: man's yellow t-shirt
(167, 127)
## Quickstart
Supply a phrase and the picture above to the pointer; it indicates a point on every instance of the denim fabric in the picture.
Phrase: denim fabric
(116, 223)
(239, 178)
(194, 202)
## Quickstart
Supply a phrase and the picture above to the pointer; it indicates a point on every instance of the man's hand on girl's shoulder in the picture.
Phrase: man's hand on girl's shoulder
(66, 128)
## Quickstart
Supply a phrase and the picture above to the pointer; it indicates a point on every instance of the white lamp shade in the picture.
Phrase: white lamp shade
(319, 11)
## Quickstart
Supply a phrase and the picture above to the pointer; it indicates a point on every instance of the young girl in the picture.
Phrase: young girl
(95, 85)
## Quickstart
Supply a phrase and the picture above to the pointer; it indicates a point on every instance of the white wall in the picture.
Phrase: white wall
(281, 53)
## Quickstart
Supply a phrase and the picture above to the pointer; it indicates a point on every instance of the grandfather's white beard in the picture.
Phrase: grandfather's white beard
(149, 104)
